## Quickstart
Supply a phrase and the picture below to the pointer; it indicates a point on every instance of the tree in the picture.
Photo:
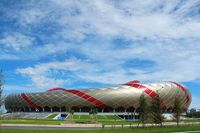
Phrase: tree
(177, 110)
(71, 112)
(1, 88)
(142, 110)
(95, 111)
(156, 110)
(93, 114)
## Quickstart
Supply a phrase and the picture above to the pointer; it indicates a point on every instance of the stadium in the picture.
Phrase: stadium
(122, 98)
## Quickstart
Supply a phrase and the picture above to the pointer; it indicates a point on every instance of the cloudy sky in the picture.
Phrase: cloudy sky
(95, 43)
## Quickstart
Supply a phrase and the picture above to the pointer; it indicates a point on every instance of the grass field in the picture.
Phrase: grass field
(84, 119)
(134, 130)
(52, 116)
(98, 117)
(30, 121)
(103, 119)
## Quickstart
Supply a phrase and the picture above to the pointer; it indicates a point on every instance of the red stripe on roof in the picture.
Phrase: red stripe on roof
(133, 81)
(28, 100)
(138, 86)
(153, 94)
(148, 91)
(187, 97)
(83, 95)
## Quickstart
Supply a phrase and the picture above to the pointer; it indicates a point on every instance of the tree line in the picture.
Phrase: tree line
(193, 114)
(154, 111)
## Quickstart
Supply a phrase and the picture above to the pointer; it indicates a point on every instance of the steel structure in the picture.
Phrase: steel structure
(122, 98)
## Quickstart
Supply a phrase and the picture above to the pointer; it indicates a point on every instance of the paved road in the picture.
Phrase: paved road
(84, 126)
(53, 127)
(48, 128)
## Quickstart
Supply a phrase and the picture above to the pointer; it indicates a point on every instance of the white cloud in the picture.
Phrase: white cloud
(17, 88)
(30, 16)
(40, 51)
(132, 20)
(169, 37)
(16, 41)
(39, 74)
(29, 51)
(106, 65)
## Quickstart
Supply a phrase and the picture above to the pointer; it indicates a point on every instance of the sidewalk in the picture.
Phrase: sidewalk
(89, 126)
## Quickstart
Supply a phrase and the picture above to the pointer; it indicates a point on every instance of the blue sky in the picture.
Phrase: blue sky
(80, 44)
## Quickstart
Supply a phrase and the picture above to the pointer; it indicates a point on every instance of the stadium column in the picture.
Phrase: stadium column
(102, 110)
(43, 109)
(51, 109)
(67, 109)
(30, 109)
(134, 113)
(80, 110)
(60, 109)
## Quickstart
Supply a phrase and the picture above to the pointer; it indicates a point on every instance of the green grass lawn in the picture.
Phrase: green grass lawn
(108, 117)
(133, 130)
(77, 117)
(52, 116)
(192, 120)
(30, 121)
(104, 119)
(84, 119)
(99, 117)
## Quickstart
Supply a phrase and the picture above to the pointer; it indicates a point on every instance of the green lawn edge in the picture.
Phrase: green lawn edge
(120, 130)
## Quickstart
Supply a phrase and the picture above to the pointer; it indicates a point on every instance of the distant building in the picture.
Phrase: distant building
(192, 110)
(197, 110)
